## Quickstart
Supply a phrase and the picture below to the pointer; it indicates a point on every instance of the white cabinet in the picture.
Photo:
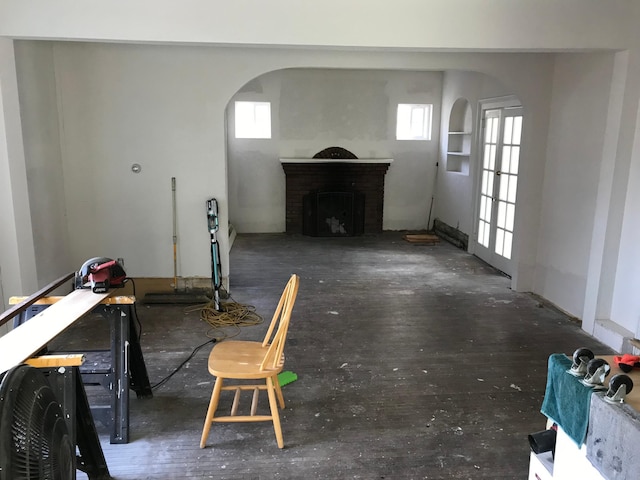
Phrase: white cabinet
(571, 461)
(541, 466)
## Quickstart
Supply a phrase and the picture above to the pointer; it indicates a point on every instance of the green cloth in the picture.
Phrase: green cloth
(566, 399)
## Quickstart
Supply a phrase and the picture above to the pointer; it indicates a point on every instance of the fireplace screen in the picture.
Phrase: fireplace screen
(333, 214)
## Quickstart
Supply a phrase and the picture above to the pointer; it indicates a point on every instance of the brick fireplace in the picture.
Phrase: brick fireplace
(334, 194)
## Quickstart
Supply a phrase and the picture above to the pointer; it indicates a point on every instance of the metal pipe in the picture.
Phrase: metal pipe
(175, 235)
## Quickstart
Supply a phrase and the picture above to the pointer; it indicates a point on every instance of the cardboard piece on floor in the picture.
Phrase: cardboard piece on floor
(422, 239)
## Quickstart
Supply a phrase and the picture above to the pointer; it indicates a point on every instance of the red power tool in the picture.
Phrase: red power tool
(101, 273)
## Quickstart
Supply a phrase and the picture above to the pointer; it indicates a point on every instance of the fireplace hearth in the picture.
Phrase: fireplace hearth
(332, 195)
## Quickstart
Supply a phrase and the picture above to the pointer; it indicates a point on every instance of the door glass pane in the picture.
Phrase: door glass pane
(510, 220)
(487, 210)
(508, 240)
(499, 241)
(517, 130)
(483, 233)
(504, 186)
(487, 183)
(502, 213)
(492, 157)
(492, 125)
(508, 129)
(487, 156)
(506, 159)
(515, 160)
(513, 186)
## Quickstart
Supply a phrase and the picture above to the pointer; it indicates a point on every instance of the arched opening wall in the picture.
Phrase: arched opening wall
(313, 109)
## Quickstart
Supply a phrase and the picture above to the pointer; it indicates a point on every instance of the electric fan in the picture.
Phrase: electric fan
(34, 440)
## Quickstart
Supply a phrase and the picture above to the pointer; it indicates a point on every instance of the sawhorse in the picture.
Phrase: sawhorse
(119, 369)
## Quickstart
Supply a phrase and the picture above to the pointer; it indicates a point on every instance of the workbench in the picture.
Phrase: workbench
(118, 369)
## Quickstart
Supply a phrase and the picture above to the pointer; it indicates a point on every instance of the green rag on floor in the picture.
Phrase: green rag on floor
(566, 399)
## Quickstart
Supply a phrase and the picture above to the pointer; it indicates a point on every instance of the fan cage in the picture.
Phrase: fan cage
(34, 440)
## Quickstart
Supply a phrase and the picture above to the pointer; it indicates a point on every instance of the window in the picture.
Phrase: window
(253, 120)
(414, 122)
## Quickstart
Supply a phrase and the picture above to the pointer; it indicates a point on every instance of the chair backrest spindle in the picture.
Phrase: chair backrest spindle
(280, 323)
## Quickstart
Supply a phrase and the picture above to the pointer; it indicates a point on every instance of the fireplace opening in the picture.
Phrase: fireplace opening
(333, 214)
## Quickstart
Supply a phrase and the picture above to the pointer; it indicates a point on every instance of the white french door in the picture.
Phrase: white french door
(501, 136)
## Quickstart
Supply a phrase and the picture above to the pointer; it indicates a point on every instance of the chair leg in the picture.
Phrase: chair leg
(275, 416)
(278, 392)
(213, 406)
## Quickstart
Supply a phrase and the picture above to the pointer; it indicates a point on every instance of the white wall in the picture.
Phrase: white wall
(625, 198)
(17, 258)
(626, 301)
(159, 107)
(39, 110)
(320, 108)
(581, 88)
(256, 181)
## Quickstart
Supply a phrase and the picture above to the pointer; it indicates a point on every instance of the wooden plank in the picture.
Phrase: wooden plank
(65, 360)
(22, 342)
(119, 300)
(28, 301)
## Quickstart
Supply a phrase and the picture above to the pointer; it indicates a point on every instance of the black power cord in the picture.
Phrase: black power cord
(231, 314)
(177, 369)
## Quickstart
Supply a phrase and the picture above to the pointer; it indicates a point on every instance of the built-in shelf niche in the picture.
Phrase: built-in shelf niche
(459, 137)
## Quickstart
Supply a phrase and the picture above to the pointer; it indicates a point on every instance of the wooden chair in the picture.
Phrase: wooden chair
(245, 360)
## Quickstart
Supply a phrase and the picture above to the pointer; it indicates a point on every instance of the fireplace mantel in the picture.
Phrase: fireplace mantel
(336, 160)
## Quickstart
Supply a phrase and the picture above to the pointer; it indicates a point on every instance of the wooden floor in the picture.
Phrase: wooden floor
(413, 362)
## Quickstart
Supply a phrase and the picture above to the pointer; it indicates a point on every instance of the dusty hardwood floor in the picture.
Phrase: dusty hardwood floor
(414, 362)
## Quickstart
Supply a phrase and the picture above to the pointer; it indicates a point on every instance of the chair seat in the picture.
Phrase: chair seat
(240, 359)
